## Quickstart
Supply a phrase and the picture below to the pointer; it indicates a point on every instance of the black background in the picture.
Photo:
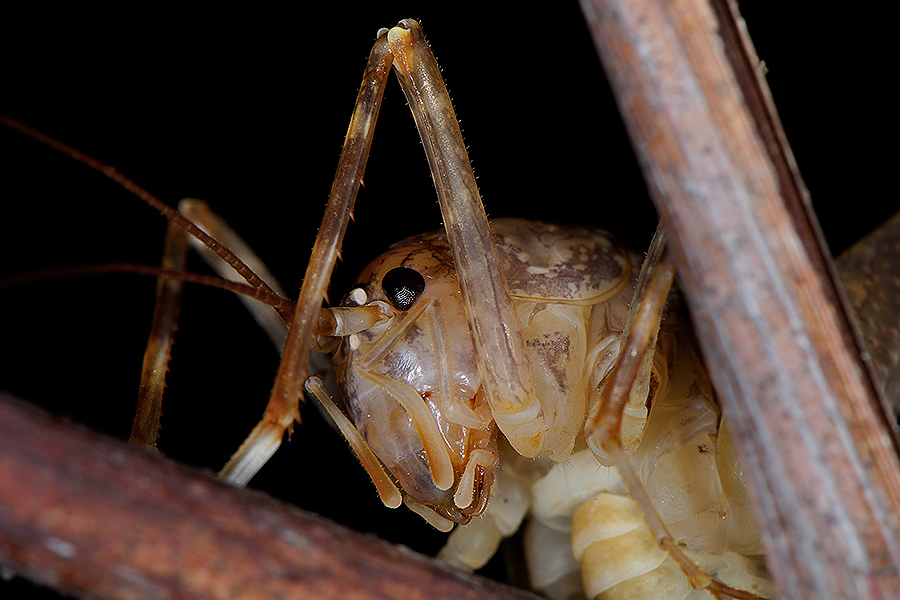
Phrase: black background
(247, 109)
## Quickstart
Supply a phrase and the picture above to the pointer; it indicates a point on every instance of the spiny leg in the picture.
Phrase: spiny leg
(496, 332)
(655, 281)
(145, 429)
(283, 407)
(499, 343)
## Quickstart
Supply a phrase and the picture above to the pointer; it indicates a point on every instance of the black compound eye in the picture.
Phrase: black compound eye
(403, 286)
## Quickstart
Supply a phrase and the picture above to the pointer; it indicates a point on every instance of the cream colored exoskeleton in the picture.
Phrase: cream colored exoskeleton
(518, 351)
(568, 285)
(572, 288)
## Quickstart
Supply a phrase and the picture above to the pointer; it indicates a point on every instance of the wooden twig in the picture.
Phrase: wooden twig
(819, 456)
(95, 518)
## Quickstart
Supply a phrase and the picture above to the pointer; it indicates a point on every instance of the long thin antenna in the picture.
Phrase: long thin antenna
(167, 211)
(277, 302)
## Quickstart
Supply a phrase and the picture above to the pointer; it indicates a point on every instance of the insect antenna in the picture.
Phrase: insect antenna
(245, 272)
(276, 301)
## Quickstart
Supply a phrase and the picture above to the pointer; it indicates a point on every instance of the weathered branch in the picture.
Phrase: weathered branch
(819, 456)
(95, 518)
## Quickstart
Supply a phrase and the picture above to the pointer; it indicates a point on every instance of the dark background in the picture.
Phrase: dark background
(248, 110)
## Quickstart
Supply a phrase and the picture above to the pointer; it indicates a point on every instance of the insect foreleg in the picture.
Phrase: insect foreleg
(145, 428)
(496, 332)
(283, 407)
(602, 431)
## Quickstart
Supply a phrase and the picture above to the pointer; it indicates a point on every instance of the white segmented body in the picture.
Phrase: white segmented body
(587, 536)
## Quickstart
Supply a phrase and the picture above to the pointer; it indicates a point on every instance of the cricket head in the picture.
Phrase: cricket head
(411, 386)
